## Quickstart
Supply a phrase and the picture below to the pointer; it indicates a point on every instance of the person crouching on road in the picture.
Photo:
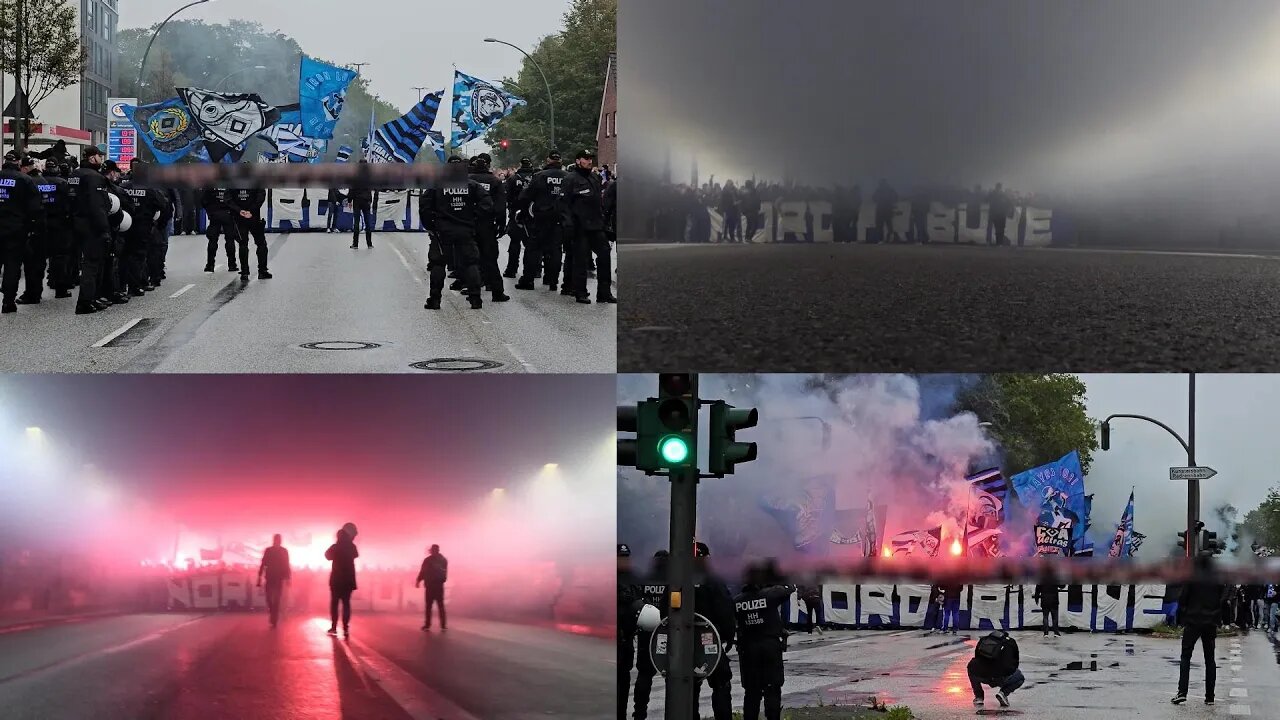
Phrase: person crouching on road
(995, 663)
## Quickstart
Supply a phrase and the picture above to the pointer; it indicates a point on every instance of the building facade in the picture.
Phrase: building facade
(607, 130)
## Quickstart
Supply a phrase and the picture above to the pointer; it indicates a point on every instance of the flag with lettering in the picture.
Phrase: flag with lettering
(322, 93)
(1122, 543)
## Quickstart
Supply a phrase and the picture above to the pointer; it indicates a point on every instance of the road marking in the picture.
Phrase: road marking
(1239, 692)
(418, 700)
(1239, 710)
(182, 291)
(122, 330)
(515, 354)
(111, 650)
(406, 264)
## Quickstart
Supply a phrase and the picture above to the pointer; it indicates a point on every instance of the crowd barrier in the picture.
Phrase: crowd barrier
(307, 210)
(1097, 608)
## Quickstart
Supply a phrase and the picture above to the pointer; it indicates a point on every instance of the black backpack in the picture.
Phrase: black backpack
(990, 647)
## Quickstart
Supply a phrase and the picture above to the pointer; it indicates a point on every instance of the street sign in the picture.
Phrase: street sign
(1191, 473)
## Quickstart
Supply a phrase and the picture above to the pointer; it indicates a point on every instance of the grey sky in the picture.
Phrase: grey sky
(418, 44)
(1045, 96)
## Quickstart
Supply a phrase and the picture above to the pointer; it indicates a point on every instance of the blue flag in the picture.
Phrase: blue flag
(166, 127)
(287, 138)
(344, 153)
(322, 91)
(1122, 543)
(478, 106)
(1057, 490)
(402, 138)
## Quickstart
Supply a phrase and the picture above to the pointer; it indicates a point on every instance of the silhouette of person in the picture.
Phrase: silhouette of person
(434, 573)
(342, 581)
(275, 564)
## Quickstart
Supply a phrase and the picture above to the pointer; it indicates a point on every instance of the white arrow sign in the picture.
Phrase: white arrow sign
(1191, 473)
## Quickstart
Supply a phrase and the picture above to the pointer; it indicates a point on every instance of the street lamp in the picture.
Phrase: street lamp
(420, 93)
(219, 85)
(156, 33)
(357, 66)
(550, 103)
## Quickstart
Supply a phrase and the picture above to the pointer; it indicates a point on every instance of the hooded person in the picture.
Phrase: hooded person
(21, 218)
(342, 581)
(433, 575)
(1200, 604)
(491, 224)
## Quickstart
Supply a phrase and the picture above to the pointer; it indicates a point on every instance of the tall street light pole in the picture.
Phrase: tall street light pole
(551, 105)
(421, 94)
(357, 66)
(142, 68)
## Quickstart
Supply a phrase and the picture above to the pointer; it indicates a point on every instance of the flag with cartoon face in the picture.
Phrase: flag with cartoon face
(477, 106)
(322, 93)
(166, 127)
(228, 120)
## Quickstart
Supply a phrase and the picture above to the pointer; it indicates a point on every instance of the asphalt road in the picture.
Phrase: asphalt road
(322, 292)
(1079, 676)
(160, 666)
(859, 308)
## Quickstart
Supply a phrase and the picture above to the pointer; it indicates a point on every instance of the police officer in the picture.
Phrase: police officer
(113, 286)
(21, 215)
(713, 601)
(583, 194)
(245, 210)
(450, 213)
(628, 595)
(149, 205)
(491, 225)
(515, 186)
(92, 228)
(58, 208)
(158, 251)
(37, 252)
(760, 644)
(654, 592)
(542, 201)
(219, 221)
(361, 196)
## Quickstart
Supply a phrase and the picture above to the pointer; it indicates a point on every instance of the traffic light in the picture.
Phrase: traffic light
(1182, 541)
(725, 451)
(506, 144)
(1209, 542)
(1106, 436)
(677, 422)
(628, 417)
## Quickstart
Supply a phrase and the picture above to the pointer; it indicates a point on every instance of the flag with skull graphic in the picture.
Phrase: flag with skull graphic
(228, 120)
(478, 106)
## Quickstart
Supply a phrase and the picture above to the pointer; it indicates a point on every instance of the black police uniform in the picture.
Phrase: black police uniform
(59, 206)
(491, 225)
(158, 250)
(583, 194)
(93, 232)
(516, 230)
(21, 214)
(219, 222)
(148, 206)
(543, 201)
(362, 209)
(611, 211)
(33, 263)
(113, 284)
(653, 592)
(713, 601)
(250, 201)
(628, 598)
(760, 646)
(450, 213)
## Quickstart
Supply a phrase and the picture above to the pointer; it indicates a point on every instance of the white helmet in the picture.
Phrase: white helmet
(648, 618)
(126, 222)
(114, 202)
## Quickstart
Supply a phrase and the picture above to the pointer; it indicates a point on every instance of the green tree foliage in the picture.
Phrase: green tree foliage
(1262, 524)
(1035, 418)
(575, 62)
(193, 53)
(52, 57)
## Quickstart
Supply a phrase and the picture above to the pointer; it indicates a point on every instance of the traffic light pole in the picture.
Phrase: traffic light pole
(1193, 485)
(684, 513)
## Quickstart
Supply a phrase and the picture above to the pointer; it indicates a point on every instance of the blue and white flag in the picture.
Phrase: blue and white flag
(344, 153)
(287, 138)
(402, 138)
(1057, 489)
(228, 120)
(1122, 543)
(322, 92)
(477, 106)
(166, 127)
(916, 542)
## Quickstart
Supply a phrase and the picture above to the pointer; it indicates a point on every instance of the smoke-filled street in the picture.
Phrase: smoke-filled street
(180, 666)
(1078, 676)
(364, 307)
(855, 308)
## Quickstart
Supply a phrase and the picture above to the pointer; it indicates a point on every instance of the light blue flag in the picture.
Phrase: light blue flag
(167, 128)
(477, 106)
(1057, 490)
(1122, 543)
(322, 91)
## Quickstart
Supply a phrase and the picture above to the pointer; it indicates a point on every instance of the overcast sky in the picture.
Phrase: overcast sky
(1044, 96)
(408, 43)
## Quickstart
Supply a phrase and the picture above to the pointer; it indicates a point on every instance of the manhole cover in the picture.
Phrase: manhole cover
(456, 365)
(340, 345)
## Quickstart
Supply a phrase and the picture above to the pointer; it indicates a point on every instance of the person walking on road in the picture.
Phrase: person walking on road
(434, 573)
(342, 578)
(1201, 605)
(275, 565)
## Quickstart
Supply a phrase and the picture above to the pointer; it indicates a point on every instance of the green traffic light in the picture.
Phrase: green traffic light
(673, 449)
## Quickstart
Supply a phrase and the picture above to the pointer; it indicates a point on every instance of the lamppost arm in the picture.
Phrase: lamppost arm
(156, 34)
(551, 105)
(1168, 429)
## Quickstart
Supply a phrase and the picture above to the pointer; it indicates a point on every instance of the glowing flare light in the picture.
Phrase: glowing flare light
(956, 549)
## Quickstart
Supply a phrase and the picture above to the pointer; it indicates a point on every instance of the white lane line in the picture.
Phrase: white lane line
(1239, 692)
(122, 330)
(110, 650)
(406, 264)
(1239, 710)
(188, 287)
(515, 354)
(418, 700)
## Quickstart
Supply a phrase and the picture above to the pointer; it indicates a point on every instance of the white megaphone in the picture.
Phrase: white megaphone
(113, 203)
(126, 222)
(648, 619)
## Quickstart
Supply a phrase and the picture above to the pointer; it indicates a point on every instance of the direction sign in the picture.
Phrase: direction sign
(1191, 473)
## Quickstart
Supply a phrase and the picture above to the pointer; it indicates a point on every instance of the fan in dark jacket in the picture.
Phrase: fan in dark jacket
(1200, 603)
(342, 581)
(434, 573)
(995, 663)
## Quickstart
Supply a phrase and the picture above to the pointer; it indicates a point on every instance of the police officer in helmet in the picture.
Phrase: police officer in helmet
(654, 592)
(760, 643)
(713, 601)
(21, 215)
(450, 213)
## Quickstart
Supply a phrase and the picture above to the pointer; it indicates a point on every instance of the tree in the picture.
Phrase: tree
(1035, 418)
(51, 56)
(1262, 524)
(575, 62)
(198, 54)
